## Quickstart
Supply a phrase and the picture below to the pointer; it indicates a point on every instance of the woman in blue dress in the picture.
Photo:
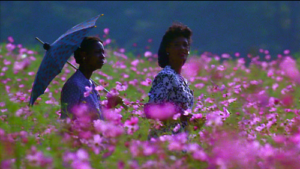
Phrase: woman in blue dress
(79, 90)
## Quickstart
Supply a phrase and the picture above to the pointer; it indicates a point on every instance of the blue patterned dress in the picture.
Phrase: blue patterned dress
(72, 94)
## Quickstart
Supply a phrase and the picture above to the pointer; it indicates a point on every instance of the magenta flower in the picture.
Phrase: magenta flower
(135, 62)
(31, 73)
(121, 86)
(6, 62)
(21, 65)
(289, 66)
(112, 115)
(147, 54)
(160, 111)
(80, 110)
(107, 41)
(10, 39)
(132, 125)
(286, 52)
(147, 82)
(10, 47)
(108, 129)
(287, 100)
(80, 165)
(82, 155)
(37, 158)
(2, 104)
(122, 50)
(214, 118)
(199, 85)
(225, 55)
(88, 91)
(99, 88)
(8, 164)
(192, 68)
(106, 30)
(176, 128)
(200, 155)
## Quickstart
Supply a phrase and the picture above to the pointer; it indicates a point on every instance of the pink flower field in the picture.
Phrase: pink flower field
(243, 116)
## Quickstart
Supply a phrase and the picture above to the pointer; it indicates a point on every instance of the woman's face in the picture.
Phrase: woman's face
(178, 51)
(95, 57)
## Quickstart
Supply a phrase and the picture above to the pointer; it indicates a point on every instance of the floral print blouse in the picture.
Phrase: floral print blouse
(168, 86)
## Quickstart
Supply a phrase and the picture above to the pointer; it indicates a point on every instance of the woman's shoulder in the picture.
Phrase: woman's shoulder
(72, 83)
(166, 76)
(166, 72)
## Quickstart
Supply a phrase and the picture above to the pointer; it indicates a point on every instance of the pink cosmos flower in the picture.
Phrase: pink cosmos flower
(214, 118)
(99, 88)
(37, 158)
(21, 65)
(6, 62)
(88, 91)
(112, 115)
(275, 86)
(147, 54)
(225, 55)
(125, 75)
(7, 163)
(147, 82)
(135, 62)
(82, 155)
(289, 66)
(200, 155)
(176, 128)
(122, 50)
(199, 85)
(81, 165)
(2, 104)
(160, 111)
(30, 52)
(286, 52)
(10, 39)
(108, 129)
(10, 47)
(175, 145)
(192, 67)
(107, 41)
(31, 73)
(287, 100)
(121, 86)
(32, 58)
(106, 30)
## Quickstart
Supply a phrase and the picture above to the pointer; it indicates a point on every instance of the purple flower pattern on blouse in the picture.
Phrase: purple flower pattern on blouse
(168, 86)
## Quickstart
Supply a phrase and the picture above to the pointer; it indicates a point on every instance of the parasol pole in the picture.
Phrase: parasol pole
(123, 105)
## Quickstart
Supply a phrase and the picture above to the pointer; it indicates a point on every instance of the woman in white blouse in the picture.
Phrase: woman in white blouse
(169, 86)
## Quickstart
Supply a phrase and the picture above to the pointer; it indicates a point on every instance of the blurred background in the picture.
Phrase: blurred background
(218, 27)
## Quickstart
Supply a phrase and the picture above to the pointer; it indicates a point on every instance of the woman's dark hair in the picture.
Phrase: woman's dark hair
(176, 30)
(86, 45)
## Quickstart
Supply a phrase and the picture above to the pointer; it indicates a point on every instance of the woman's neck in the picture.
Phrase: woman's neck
(176, 68)
(86, 72)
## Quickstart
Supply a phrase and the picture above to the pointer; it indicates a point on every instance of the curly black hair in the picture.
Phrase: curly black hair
(86, 45)
(176, 30)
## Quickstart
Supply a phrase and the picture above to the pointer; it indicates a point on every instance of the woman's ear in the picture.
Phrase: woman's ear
(167, 49)
(83, 54)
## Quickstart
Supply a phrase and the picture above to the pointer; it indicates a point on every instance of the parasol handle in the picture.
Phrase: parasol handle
(46, 46)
